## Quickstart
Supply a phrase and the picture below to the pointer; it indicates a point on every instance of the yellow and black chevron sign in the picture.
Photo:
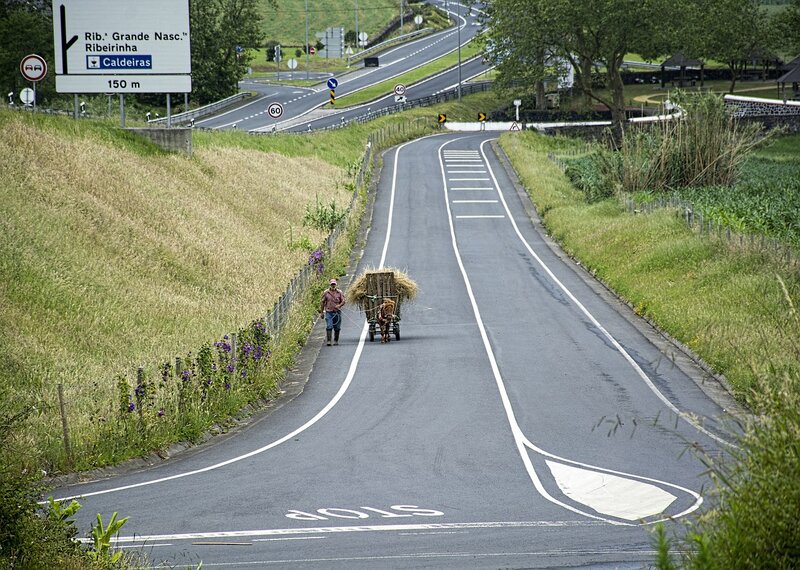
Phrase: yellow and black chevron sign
(481, 117)
(442, 118)
(333, 97)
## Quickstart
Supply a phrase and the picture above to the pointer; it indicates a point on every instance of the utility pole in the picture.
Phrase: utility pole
(307, 46)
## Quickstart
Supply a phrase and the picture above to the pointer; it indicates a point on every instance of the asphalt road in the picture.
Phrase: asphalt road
(524, 420)
(295, 102)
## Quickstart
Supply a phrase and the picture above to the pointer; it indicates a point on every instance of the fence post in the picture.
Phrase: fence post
(64, 427)
(139, 393)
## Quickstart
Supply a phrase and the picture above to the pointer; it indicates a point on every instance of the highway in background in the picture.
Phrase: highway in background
(526, 419)
(393, 62)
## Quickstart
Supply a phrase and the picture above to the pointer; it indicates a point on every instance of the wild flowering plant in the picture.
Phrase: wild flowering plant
(316, 260)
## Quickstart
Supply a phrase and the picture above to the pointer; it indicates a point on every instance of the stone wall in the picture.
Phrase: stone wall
(172, 140)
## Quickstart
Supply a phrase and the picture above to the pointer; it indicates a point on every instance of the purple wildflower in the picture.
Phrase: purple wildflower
(186, 374)
(227, 386)
(131, 406)
(161, 413)
(229, 368)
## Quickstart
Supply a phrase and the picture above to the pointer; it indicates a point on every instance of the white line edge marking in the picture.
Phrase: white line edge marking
(594, 321)
(620, 349)
(324, 530)
(328, 407)
(519, 438)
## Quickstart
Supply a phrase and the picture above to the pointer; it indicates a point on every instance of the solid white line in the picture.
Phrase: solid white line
(289, 538)
(486, 216)
(524, 440)
(519, 437)
(328, 407)
(473, 188)
(596, 323)
(327, 530)
(466, 171)
(141, 545)
(474, 201)
(465, 179)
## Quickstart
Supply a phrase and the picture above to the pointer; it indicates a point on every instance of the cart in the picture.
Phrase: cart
(380, 286)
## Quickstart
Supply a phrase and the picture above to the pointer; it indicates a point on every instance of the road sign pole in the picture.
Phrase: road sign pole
(34, 96)
(307, 46)
(122, 109)
(169, 110)
(458, 23)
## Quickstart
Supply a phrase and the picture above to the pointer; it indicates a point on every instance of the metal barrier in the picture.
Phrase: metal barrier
(209, 109)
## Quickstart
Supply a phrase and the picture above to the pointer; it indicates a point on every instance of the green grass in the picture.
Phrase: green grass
(719, 301)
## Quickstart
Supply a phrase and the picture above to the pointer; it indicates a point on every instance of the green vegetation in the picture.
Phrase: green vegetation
(735, 307)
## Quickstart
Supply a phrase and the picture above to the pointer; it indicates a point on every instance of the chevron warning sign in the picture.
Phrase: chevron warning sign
(442, 118)
(481, 117)
(333, 97)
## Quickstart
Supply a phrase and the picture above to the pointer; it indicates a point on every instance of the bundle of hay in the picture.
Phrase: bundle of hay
(405, 287)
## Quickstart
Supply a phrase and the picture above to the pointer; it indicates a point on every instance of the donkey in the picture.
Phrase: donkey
(386, 318)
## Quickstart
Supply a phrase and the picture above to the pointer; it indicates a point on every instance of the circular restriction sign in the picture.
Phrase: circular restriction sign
(26, 96)
(399, 89)
(275, 110)
(292, 63)
(333, 83)
(33, 67)
(418, 19)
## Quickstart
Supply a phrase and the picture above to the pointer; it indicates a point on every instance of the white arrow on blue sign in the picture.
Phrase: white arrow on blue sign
(333, 83)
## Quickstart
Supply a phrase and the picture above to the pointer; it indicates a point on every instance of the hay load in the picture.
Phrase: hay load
(404, 287)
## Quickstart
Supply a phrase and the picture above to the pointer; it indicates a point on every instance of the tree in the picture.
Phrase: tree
(221, 32)
(533, 39)
(732, 31)
(25, 29)
(787, 28)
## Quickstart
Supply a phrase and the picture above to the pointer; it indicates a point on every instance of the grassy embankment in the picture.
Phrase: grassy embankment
(116, 255)
(724, 302)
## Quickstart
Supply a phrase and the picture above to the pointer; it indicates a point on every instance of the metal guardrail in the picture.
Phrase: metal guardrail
(187, 116)
(426, 101)
(377, 47)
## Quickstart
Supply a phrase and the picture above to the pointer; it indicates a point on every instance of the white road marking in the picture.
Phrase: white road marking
(520, 439)
(466, 179)
(289, 538)
(474, 201)
(328, 407)
(472, 188)
(603, 492)
(120, 546)
(486, 216)
(466, 172)
(328, 530)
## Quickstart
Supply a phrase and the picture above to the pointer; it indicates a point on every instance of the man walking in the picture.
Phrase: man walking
(331, 308)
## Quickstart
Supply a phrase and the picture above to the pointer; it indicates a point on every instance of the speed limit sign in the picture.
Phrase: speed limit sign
(399, 89)
(275, 110)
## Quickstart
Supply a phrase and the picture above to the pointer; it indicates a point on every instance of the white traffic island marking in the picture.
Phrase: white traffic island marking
(609, 494)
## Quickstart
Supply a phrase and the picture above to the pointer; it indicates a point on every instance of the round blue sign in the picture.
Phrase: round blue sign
(333, 83)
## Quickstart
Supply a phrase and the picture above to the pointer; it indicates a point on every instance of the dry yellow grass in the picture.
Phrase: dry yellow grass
(112, 258)
(405, 286)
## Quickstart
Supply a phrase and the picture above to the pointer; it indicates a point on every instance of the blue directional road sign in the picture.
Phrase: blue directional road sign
(333, 83)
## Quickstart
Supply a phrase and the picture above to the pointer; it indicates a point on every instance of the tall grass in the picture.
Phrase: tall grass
(755, 497)
(704, 147)
(111, 259)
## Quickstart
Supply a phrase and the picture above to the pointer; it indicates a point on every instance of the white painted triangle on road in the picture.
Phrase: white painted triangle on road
(611, 494)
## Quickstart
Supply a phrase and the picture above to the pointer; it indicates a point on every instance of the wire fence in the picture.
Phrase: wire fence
(177, 394)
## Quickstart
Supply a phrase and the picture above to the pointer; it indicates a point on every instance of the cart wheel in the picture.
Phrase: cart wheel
(397, 331)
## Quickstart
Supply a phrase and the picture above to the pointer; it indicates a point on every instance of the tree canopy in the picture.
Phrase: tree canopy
(221, 30)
